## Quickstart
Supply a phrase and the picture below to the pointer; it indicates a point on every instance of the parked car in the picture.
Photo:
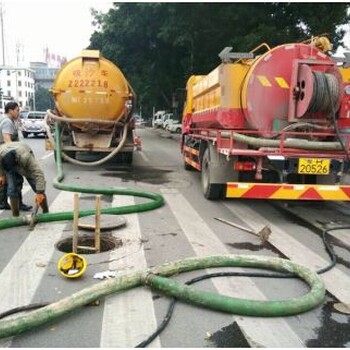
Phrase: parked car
(167, 119)
(139, 122)
(23, 114)
(175, 127)
(157, 119)
(33, 123)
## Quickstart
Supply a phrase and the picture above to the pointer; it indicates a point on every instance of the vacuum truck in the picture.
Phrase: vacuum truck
(272, 123)
(94, 106)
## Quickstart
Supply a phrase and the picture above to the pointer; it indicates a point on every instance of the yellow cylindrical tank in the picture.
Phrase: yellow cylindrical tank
(90, 86)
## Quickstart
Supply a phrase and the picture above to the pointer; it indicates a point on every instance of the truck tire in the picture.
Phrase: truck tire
(210, 190)
(127, 157)
(123, 158)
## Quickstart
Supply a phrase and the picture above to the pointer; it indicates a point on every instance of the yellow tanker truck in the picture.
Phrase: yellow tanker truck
(94, 105)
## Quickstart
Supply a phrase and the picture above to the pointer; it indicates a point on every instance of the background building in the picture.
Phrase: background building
(17, 84)
(43, 74)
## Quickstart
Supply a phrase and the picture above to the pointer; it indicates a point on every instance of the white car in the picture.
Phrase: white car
(157, 119)
(168, 122)
(33, 123)
(166, 118)
(175, 127)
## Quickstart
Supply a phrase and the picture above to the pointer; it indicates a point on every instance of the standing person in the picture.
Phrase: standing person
(9, 133)
(17, 158)
(3, 188)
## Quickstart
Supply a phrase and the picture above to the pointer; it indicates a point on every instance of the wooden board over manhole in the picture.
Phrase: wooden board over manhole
(108, 222)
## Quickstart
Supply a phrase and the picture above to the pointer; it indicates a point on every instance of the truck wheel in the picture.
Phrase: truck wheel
(25, 134)
(127, 157)
(71, 154)
(123, 158)
(210, 190)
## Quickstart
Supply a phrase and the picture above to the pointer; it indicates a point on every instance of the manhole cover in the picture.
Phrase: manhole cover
(107, 244)
(108, 222)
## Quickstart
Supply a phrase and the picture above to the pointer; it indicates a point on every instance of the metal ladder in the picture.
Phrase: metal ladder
(97, 234)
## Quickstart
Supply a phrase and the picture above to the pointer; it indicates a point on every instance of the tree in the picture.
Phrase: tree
(43, 99)
(159, 46)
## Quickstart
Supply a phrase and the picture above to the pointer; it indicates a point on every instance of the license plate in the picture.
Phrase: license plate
(313, 166)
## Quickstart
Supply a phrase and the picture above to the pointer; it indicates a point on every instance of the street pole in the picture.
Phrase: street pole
(2, 34)
(34, 109)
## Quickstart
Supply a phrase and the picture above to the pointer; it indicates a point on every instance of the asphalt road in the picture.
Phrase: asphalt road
(183, 227)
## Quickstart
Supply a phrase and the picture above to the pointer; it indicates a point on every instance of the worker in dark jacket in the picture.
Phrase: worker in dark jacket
(18, 158)
(9, 133)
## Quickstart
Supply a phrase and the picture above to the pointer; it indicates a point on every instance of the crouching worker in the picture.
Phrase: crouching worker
(17, 158)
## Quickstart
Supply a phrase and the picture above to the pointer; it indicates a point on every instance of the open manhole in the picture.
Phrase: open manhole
(107, 244)
(108, 222)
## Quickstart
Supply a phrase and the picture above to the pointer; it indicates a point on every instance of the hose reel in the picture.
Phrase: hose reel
(316, 92)
(321, 101)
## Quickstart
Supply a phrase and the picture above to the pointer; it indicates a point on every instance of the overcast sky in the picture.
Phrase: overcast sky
(62, 26)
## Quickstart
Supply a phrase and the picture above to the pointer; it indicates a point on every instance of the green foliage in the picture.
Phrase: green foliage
(43, 99)
(159, 46)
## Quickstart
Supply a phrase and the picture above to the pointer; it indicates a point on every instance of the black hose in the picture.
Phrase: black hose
(335, 121)
(22, 308)
(171, 307)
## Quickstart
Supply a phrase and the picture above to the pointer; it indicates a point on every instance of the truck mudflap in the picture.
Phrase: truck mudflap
(287, 191)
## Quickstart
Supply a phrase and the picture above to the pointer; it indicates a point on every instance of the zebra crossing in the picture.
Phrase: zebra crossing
(128, 318)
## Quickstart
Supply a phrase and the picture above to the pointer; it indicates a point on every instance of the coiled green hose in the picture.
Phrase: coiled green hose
(151, 277)
(156, 277)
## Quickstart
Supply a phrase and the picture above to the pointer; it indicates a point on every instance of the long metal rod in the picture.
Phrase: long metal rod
(98, 224)
(2, 34)
(75, 223)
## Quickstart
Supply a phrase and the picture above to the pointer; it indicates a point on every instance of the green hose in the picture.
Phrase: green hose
(155, 277)
(30, 320)
(157, 199)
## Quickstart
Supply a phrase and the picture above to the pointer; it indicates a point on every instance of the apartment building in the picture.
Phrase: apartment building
(17, 84)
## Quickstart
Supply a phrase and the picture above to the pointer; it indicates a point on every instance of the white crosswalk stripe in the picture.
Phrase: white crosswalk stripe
(337, 282)
(21, 275)
(263, 331)
(124, 315)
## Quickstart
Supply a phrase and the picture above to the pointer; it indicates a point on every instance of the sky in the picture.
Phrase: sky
(64, 27)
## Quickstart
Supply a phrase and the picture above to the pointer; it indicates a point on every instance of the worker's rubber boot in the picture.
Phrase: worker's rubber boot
(44, 206)
(14, 206)
(24, 207)
(3, 198)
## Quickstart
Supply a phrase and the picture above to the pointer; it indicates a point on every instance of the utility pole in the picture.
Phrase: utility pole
(2, 33)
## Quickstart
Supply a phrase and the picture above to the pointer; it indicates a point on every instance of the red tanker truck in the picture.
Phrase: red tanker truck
(271, 126)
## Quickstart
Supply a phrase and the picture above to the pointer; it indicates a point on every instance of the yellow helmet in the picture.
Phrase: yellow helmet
(323, 44)
(72, 265)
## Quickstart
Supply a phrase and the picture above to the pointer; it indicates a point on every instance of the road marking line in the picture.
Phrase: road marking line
(47, 156)
(144, 157)
(336, 281)
(267, 332)
(124, 317)
(21, 277)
